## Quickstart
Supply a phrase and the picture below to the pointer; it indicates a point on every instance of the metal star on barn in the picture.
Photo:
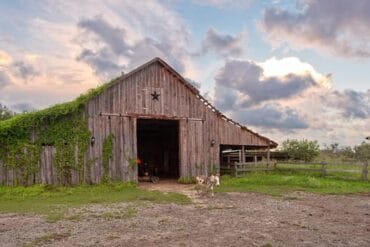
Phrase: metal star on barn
(155, 96)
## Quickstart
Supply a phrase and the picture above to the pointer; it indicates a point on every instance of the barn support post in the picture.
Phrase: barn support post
(255, 159)
(240, 155)
(243, 154)
(268, 156)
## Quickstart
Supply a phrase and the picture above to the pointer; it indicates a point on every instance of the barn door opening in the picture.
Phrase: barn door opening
(158, 147)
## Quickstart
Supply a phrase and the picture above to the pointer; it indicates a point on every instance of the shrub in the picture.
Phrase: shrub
(362, 152)
(301, 150)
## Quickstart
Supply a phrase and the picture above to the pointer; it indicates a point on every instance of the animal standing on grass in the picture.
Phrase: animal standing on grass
(207, 184)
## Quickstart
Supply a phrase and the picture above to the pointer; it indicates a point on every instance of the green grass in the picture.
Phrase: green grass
(280, 183)
(54, 201)
(333, 170)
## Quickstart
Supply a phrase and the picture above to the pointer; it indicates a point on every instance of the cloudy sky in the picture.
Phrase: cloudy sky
(287, 69)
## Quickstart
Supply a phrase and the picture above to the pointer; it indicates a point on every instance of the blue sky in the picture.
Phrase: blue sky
(287, 69)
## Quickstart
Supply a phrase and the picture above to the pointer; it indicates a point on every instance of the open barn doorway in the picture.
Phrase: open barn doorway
(158, 147)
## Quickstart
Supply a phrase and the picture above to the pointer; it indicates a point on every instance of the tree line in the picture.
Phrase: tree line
(306, 150)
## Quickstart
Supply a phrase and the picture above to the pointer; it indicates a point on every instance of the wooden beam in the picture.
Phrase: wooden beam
(149, 116)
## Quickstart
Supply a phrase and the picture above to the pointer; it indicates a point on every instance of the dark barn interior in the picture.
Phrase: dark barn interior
(158, 147)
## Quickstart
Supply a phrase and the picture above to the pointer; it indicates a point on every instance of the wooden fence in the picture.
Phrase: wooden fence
(238, 169)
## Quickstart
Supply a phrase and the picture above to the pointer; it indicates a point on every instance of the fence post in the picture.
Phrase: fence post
(235, 170)
(323, 168)
(365, 171)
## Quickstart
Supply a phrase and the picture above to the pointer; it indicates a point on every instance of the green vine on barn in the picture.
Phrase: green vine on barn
(107, 155)
(62, 126)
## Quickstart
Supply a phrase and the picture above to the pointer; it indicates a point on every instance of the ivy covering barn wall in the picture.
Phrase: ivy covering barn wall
(63, 126)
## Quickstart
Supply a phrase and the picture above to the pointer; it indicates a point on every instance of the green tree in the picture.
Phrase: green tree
(5, 113)
(301, 149)
(346, 153)
(362, 152)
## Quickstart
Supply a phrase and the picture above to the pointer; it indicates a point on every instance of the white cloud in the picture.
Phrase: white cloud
(5, 58)
(255, 83)
(293, 65)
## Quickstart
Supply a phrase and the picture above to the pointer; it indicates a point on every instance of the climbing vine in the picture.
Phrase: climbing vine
(24, 158)
(63, 126)
(107, 155)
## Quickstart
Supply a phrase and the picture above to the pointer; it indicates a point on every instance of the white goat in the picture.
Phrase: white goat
(207, 184)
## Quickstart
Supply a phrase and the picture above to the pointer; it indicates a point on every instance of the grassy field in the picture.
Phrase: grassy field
(54, 201)
(279, 183)
(333, 170)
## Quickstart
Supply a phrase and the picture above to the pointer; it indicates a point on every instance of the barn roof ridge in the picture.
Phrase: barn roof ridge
(192, 89)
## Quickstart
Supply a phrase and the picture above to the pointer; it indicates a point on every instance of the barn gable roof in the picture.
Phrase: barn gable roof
(193, 90)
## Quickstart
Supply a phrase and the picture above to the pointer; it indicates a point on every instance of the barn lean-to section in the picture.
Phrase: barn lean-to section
(153, 92)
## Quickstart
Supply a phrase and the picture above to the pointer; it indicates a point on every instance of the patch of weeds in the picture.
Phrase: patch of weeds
(290, 198)
(163, 221)
(122, 214)
(74, 217)
(220, 207)
(267, 245)
(112, 237)
(300, 225)
(48, 239)
(131, 212)
(54, 217)
(132, 225)
(108, 215)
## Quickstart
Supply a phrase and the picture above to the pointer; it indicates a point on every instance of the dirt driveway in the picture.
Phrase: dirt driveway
(229, 219)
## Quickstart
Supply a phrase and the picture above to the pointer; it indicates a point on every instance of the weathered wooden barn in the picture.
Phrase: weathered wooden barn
(154, 114)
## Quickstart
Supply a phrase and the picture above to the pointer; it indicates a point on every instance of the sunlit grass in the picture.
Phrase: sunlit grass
(53, 201)
(280, 183)
(333, 170)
